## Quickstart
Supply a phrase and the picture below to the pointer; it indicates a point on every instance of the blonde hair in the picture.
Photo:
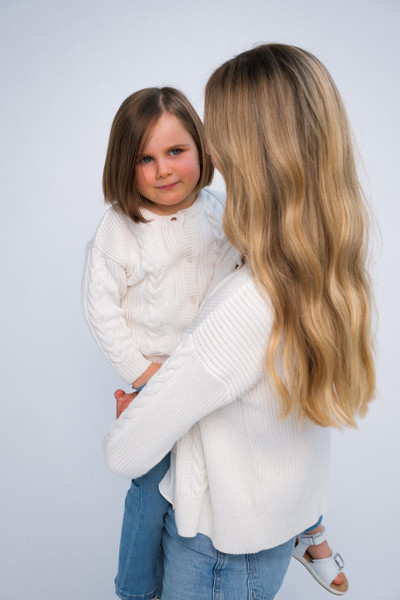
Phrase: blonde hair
(278, 132)
(134, 118)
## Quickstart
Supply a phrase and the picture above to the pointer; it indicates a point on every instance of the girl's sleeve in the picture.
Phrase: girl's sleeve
(104, 285)
(221, 359)
(229, 258)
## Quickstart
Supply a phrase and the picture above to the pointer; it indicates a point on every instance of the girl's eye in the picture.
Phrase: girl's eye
(176, 151)
(146, 160)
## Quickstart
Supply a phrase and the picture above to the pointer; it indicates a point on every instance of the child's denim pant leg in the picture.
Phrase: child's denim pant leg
(314, 526)
(140, 557)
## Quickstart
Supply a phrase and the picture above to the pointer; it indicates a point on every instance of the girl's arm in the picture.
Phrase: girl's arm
(104, 285)
(216, 363)
(147, 375)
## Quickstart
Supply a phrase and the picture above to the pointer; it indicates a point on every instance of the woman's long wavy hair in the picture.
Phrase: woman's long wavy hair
(278, 132)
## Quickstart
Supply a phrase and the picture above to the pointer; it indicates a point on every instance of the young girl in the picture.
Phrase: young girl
(280, 350)
(148, 268)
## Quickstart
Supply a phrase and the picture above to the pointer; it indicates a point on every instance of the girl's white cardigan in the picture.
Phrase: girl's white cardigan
(239, 474)
(143, 283)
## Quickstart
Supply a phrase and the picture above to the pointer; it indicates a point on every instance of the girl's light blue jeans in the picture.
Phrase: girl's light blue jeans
(140, 559)
(195, 570)
(314, 526)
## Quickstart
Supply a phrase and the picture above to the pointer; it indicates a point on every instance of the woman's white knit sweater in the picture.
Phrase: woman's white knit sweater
(239, 474)
(143, 283)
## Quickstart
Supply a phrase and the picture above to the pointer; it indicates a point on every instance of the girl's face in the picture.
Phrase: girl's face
(168, 167)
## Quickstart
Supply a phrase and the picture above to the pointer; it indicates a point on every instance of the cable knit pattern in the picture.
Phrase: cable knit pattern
(239, 474)
(144, 282)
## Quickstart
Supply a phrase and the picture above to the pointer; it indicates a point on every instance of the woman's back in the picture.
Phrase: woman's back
(241, 475)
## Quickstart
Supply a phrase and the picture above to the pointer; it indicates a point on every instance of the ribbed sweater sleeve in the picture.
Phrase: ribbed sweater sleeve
(218, 360)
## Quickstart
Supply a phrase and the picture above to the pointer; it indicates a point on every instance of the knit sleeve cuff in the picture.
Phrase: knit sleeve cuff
(132, 368)
(182, 392)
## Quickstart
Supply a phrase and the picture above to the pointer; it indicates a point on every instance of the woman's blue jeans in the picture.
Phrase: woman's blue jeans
(140, 559)
(195, 570)
(186, 568)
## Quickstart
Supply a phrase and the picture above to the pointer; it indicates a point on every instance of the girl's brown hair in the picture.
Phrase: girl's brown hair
(136, 115)
(278, 132)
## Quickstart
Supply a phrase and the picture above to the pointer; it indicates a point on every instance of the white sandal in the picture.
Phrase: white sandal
(324, 570)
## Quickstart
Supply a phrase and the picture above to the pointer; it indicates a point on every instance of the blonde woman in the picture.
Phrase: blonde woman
(279, 352)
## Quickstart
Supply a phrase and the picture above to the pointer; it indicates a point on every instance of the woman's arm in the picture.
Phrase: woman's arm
(216, 363)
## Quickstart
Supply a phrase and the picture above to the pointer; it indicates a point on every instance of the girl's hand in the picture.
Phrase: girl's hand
(146, 376)
(123, 400)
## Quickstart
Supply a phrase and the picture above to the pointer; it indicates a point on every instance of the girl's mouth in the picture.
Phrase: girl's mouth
(165, 188)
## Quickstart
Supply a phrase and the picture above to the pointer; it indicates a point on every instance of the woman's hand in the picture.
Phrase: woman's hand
(123, 400)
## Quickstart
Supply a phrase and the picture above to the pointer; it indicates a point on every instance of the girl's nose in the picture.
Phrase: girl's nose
(163, 168)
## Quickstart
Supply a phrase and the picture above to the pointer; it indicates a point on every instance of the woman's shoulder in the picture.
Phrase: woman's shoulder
(240, 283)
(232, 327)
(238, 294)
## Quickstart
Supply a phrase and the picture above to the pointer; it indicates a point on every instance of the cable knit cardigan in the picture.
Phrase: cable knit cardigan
(144, 282)
(239, 474)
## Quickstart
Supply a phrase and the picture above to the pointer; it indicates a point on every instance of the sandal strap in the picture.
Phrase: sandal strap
(328, 568)
(305, 540)
(316, 538)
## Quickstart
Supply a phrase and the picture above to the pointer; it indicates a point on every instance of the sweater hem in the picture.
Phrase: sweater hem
(246, 533)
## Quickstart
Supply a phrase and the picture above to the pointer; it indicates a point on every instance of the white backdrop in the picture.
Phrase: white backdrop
(65, 69)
